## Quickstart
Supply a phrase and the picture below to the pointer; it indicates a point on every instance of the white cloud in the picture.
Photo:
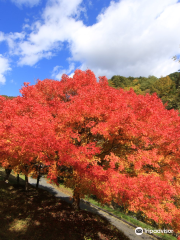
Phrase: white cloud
(58, 9)
(130, 37)
(57, 73)
(46, 38)
(27, 3)
(26, 26)
(13, 40)
(4, 67)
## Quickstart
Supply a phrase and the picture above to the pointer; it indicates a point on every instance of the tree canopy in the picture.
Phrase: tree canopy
(112, 143)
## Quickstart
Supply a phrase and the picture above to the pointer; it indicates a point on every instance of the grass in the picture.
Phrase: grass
(37, 214)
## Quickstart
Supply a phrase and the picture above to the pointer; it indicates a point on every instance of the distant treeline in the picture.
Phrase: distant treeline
(167, 88)
(10, 97)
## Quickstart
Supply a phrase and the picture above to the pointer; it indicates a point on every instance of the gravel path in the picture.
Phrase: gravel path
(121, 225)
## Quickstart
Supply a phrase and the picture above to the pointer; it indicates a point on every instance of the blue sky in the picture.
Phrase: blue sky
(42, 39)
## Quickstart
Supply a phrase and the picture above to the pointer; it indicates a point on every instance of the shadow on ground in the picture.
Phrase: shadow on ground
(39, 214)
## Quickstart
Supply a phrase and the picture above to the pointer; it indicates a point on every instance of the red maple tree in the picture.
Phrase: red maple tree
(112, 143)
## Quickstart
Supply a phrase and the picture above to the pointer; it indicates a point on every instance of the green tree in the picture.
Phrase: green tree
(111, 84)
(120, 81)
(163, 86)
(135, 86)
(146, 83)
(175, 78)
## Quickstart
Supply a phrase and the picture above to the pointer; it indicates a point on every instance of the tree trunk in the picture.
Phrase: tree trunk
(37, 184)
(39, 176)
(18, 179)
(76, 199)
(26, 183)
(8, 172)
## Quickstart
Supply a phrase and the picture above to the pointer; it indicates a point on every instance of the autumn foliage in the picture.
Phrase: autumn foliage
(109, 142)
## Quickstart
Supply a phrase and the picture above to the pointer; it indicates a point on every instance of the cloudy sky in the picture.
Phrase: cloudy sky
(45, 38)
